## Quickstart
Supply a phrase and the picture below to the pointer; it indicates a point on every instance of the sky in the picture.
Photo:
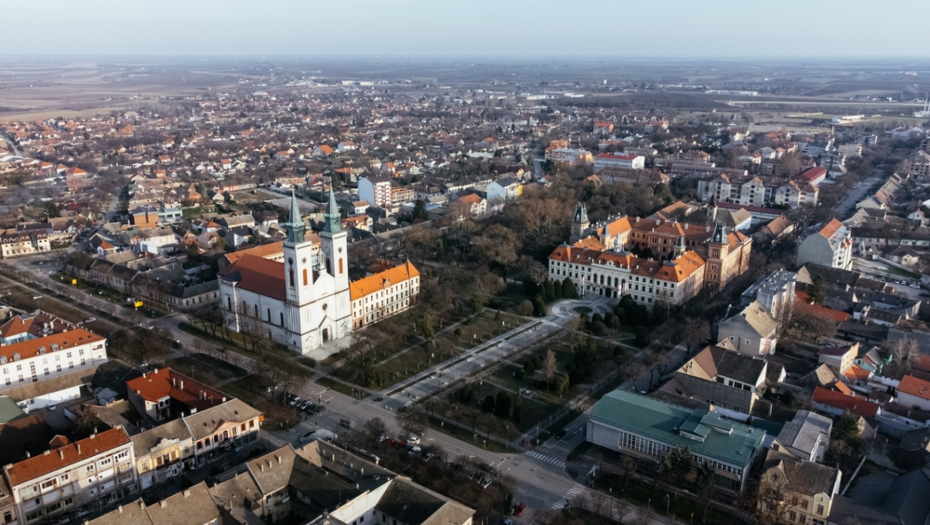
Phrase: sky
(470, 28)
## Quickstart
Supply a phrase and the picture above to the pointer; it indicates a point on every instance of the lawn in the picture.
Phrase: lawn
(250, 388)
(466, 435)
(277, 354)
(202, 367)
(644, 494)
(479, 328)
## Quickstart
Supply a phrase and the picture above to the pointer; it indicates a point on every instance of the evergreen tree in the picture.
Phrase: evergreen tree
(568, 289)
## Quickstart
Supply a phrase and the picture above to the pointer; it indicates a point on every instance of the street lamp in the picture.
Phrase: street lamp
(667, 501)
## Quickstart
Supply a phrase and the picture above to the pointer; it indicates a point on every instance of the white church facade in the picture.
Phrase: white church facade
(307, 299)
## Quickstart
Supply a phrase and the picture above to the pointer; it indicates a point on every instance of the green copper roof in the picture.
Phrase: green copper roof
(295, 228)
(712, 435)
(332, 215)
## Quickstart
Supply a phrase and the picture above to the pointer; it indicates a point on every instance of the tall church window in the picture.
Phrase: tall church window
(290, 274)
(269, 314)
(305, 277)
(340, 266)
(282, 319)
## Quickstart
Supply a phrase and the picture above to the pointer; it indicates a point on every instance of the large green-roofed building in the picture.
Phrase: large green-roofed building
(647, 429)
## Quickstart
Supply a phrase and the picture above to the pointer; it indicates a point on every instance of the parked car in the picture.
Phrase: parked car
(519, 510)
(485, 482)
(414, 439)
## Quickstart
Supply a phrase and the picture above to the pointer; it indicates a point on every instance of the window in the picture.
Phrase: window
(90, 468)
(820, 510)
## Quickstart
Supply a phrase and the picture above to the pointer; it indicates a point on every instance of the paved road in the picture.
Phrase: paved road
(847, 206)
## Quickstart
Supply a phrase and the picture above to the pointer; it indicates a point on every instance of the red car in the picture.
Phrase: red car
(519, 510)
(392, 442)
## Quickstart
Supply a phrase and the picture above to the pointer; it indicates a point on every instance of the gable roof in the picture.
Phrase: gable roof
(166, 382)
(259, 275)
(51, 461)
(857, 405)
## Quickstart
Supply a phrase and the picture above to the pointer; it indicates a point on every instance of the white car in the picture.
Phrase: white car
(414, 440)
(914, 285)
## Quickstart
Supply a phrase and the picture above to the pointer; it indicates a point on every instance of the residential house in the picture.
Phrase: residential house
(914, 392)
(751, 330)
(831, 246)
(166, 394)
(614, 160)
(507, 188)
(162, 452)
(722, 378)
(806, 436)
(792, 490)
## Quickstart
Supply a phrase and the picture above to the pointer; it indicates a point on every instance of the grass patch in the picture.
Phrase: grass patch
(466, 435)
(512, 295)
(276, 355)
(680, 508)
(202, 367)
(582, 310)
(482, 327)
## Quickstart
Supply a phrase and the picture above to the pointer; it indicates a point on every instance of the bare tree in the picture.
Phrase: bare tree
(550, 367)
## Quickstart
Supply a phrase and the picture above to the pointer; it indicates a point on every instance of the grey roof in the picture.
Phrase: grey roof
(414, 505)
(204, 422)
(193, 506)
(916, 440)
(48, 386)
(272, 472)
(905, 503)
(9, 410)
(756, 317)
(740, 367)
(143, 442)
(237, 491)
(804, 431)
(804, 477)
(133, 513)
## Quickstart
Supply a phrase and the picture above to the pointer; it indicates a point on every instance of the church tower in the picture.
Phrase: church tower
(334, 261)
(680, 247)
(715, 273)
(298, 263)
(580, 222)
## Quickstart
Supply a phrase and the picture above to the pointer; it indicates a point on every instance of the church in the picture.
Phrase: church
(305, 299)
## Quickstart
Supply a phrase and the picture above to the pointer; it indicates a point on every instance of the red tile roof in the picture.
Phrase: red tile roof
(915, 387)
(64, 340)
(857, 405)
(36, 466)
(380, 281)
(169, 383)
(819, 311)
(255, 274)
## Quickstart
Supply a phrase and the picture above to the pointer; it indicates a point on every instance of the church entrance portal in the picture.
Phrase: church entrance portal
(325, 334)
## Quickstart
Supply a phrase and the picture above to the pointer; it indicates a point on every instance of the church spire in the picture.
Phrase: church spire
(295, 228)
(581, 213)
(332, 215)
(720, 234)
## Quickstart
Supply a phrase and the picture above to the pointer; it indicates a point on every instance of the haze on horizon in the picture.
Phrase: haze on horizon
(789, 29)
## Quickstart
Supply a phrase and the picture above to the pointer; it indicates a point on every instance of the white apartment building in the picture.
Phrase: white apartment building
(376, 190)
(614, 160)
(15, 244)
(90, 473)
(47, 357)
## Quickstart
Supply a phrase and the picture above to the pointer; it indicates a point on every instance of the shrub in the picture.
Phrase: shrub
(488, 405)
(519, 375)
(525, 308)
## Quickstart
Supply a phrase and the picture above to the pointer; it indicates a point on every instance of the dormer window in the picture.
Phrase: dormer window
(16, 357)
(41, 350)
(2, 359)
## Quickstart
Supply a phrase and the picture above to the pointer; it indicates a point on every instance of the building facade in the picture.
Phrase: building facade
(831, 246)
(87, 474)
(55, 355)
(614, 160)
(15, 243)
(376, 190)
(646, 430)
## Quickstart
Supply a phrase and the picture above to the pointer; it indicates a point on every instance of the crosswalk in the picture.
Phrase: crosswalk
(547, 458)
(572, 492)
